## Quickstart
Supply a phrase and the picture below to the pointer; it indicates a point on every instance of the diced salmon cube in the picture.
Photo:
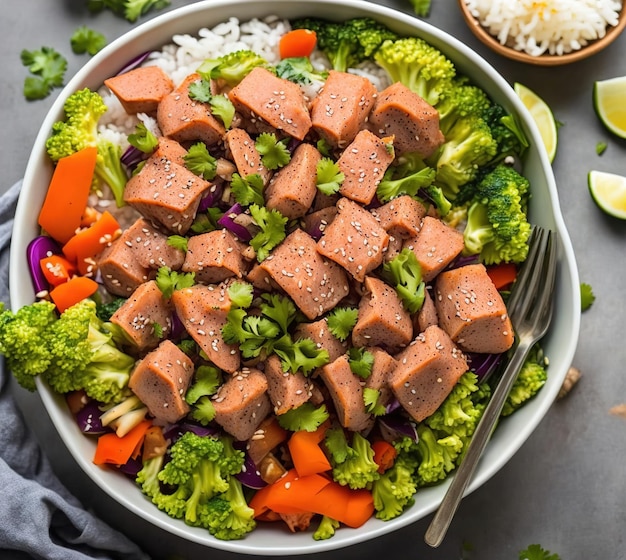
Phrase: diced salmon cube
(363, 164)
(140, 90)
(203, 310)
(286, 390)
(435, 246)
(382, 320)
(427, 315)
(292, 189)
(161, 380)
(150, 247)
(354, 239)
(384, 365)
(186, 120)
(427, 371)
(166, 193)
(261, 279)
(401, 217)
(242, 403)
(145, 317)
(214, 256)
(316, 222)
(262, 95)
(170, 150)
(413, 123)
(120, 271)
(319, 333)
(346, 392)
(242, 150)
(472, 311)
(342, 106)
(313, 283)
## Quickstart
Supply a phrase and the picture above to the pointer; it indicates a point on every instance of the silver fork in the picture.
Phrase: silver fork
(530, 309)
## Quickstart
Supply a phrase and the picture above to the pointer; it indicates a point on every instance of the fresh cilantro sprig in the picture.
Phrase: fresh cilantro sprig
(300, 355)
(131, 10)
(272, 225)
(248, 190)
(221, 106)
(178, 242)
(200, 162)
(361, 361)
(305, 417)
(143, 139)
(587, 297)
(341, 321)
(169, 280)
(207, 221)
(47, 68)
(328, 176)
(87, 40)
(240, 294)
(536, 552)
(371, 399)
(404, 273)
(274, 152)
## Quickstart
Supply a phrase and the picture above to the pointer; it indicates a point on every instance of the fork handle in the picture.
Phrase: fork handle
(443, 517)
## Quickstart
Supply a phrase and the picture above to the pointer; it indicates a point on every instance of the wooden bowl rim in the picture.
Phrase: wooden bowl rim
(545, 59)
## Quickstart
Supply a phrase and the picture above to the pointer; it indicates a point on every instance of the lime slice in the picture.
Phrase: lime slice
(608, 192)
(609, 101)
(542, 115)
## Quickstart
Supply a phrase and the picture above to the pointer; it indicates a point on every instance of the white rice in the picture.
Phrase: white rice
(546, 26)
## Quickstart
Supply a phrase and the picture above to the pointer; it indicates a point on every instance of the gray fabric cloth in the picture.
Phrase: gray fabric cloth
(39, 517)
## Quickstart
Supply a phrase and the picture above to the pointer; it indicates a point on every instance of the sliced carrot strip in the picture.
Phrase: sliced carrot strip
(296, 43)
(306, 453)
(65, 202)
(71, 292)
(118, 450)
(57, 269)
(384, 454)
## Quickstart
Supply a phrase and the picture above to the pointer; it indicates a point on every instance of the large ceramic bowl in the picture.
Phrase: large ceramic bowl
(559, 344)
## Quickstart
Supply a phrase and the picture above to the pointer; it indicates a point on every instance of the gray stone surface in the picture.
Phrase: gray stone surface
(565, 488)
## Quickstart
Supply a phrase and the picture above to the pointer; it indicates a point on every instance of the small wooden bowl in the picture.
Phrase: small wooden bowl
(591, 48)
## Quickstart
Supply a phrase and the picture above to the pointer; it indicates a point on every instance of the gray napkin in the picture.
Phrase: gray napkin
(39, 517)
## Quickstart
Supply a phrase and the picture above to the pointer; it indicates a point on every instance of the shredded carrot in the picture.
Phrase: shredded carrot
(57, 269)
(296, 43)
(67, 195)
(71, 292)
(502, 275)
(306, 453)
(313, 494)
(384, 454)
(118, 450)
(89, 242)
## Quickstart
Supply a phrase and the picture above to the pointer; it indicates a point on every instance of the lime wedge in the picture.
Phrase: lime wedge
(608, 192)
(609, 102)
(542, 115)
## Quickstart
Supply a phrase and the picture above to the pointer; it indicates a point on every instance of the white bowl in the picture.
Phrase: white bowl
(559, 344)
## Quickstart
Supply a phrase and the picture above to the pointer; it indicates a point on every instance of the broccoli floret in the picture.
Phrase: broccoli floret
(460, 100)
(200, 468)
(23, 340)
(404, 273)
(228, 516)
(74, 351)
(505, 131)
(353, 465)
(231, 68)
(438, 455)
(418, 65)
(393, 185)
(348, 43)
(531, 378)
(79, 130)
(393, 492)
(300, 71)
(468, 146)
(497, 228)
(326, 529)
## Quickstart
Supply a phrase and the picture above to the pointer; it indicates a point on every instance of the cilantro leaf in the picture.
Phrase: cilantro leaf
(300, 355)
(535, 552)
(274, 152)
(361, 362)
(305, 417)
(337, 445)
(207, 221)
(405, 274)
(240, 294)
(200, 162)
(48, 68)
(86, 40)
(248, 190)
(223, 108)
(329, 177)
(370, 399)
(178, 242)
(279, 309)
(36, 88)
(587, 297)
(272, 224)
(421, 7)
(200, 91)
(158, 329)
(341, 321)
(601, 148)
(169, 280)
(252, 333)
(133, 9)
(143, 139)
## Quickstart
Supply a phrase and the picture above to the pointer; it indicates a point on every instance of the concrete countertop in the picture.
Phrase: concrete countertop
(565, 488)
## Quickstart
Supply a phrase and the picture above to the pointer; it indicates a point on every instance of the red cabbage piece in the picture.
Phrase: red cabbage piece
(399, 424)
(483, 365)
(228, 221)
(88, 419)
(212, 199)
(134, 63)
(39, 248)
(249, 475)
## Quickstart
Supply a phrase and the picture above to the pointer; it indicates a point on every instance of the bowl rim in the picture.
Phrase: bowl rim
(593, 47)
(22, 294)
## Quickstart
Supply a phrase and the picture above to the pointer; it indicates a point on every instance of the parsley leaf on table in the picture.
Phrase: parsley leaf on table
(47, 67)
(86, 40)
